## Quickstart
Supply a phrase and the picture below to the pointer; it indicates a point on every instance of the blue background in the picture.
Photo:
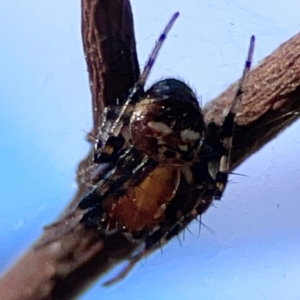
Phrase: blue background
(252, 247)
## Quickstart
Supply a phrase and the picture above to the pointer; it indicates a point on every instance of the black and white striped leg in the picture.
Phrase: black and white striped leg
(228, 126)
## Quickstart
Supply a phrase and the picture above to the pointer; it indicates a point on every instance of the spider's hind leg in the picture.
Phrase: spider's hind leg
(131, 264)
(228, 126)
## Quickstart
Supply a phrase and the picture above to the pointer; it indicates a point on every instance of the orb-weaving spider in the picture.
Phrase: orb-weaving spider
(160, 168)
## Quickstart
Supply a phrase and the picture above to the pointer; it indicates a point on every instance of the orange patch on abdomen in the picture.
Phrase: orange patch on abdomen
(143, 205)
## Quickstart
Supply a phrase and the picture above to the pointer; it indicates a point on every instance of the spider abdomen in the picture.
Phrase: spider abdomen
(143, 205)
(167, 123)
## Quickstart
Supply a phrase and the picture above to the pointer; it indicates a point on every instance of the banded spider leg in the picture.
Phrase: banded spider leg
(228, 125)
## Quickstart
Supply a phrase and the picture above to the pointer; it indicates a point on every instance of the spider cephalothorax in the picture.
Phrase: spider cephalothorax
(160, 169)
(167, 123)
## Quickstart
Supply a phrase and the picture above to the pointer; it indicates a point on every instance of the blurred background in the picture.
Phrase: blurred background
(250, 248)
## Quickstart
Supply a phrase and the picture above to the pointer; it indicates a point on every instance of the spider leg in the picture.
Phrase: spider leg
(228, 126)
(114, 178)
(111, 141)
(130, 169)
(162, 234)
(132, 262)
(138, 88)
(151, 60)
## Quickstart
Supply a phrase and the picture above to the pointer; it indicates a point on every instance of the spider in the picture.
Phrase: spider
(159, 166)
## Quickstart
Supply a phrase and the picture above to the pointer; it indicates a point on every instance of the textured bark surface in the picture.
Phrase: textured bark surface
(70, 261)
(109, 48)
(270, 102)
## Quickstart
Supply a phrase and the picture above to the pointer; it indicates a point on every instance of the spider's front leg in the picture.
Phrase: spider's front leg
(107, 145)
(133, 196)
(116, 193)
(228, 127)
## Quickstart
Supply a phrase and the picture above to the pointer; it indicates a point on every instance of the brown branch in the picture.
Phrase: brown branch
(109, 48)
(271, 101)
(70, 262)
